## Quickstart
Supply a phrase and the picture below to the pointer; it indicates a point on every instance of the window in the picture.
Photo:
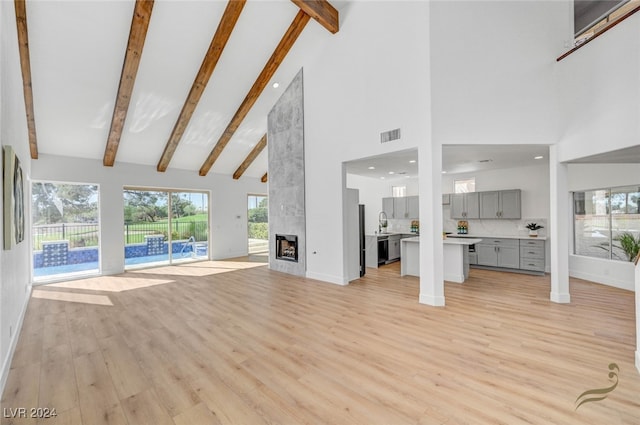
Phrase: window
(602, 218)
(258, 225)
(464, 186)
(591, 17)
(65, 230)
(398, 191)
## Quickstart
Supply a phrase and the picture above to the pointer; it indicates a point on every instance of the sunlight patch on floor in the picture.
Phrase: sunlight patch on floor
(112, 283)
(203, 268)
(72, 297)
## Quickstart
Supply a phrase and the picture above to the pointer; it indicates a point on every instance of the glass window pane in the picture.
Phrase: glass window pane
(625, 221)
(65, 230)
(591, 228)
(464, 186)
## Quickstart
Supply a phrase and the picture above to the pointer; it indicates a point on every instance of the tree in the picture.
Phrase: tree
(181, 207)
(144, 206)
(64, 203)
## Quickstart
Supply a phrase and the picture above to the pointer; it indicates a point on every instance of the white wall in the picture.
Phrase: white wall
(619, 274)
(372, 190)
(493, 70)
(533, 181)
(600, 88)
(228, 201)
(372, 77)
(15, 287)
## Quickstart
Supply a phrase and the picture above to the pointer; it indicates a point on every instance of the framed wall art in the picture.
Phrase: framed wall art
(13, 200)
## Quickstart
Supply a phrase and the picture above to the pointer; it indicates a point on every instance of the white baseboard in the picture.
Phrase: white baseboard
(638, 360)
(6, 365)
(456, 278)
(557, 297)
(336, 280)
(603, 280)
(431, 300)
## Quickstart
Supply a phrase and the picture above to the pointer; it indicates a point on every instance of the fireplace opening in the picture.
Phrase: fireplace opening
(287, 247)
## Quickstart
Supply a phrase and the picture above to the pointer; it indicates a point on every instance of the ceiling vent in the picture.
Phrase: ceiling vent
(389, 136)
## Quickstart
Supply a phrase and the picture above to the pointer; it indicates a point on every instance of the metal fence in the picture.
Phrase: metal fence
(79, 234)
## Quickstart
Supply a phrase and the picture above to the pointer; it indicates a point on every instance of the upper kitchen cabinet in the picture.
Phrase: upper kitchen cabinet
(500, 204)
(387, 207)
(413, 207)
(405, 207)
(465, 205)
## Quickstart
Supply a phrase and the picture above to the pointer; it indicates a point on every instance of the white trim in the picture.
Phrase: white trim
(452, 277)
(336, 280)
(557, 297)
(602, 280)
(638, 360)
(13, 343)
(431, 300)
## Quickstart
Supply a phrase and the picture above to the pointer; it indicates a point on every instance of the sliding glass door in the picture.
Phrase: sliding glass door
(165, 227)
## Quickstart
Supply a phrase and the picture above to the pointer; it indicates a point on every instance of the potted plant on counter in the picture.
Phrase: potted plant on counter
(533, 229)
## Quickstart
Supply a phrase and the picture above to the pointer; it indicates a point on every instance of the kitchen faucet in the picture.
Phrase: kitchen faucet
(382, 221)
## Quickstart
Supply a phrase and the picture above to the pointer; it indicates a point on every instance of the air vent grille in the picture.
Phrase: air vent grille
(389, 136)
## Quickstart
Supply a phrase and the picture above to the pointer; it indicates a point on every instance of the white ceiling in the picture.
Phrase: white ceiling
(77, 51)
(456, 159)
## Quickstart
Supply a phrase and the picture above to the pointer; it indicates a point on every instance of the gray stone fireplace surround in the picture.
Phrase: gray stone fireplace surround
(285, 139)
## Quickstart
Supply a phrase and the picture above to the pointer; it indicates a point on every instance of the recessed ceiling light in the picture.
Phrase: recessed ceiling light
(444, 172)
(391, 172)
(382, 178)
(413, 161)
(276, 85)
(538, 157)
(372, 168)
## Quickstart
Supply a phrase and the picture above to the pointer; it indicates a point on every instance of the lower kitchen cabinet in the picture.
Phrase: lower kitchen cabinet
(394, 247)
(532, 254)
(498, 252)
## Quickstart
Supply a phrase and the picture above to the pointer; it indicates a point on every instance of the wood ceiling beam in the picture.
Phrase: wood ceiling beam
(263, 179)
(218, 43)
(287, 41)
(137, 35)
(251, 157)
(25, 66)
(321, 11)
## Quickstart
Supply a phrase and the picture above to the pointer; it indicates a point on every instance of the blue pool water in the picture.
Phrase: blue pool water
(40, 272)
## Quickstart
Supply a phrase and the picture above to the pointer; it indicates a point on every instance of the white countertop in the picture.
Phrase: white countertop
(375, 235)
(526, 237)
(448, 241)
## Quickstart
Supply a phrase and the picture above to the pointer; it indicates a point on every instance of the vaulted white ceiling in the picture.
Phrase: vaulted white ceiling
(77, 50)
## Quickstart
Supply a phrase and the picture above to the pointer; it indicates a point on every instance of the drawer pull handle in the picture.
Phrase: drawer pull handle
(531, 264)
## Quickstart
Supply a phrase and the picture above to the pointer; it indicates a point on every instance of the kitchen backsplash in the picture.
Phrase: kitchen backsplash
(496, 227)
(399, 226)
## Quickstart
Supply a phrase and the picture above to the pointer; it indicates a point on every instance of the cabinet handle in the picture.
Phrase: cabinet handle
(531, 264)
(530, 252)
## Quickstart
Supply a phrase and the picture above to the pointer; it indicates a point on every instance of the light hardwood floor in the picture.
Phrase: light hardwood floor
(231, 342)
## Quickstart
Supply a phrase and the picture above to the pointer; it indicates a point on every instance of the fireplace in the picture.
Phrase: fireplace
(287, 247)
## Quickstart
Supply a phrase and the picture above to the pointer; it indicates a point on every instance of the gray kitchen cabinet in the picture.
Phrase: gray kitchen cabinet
(387, 207)
(465, 205)
(446, 198)
(394, 247)
(532, 255)
(413, 207)
(499, 253)
(502, 204)
(400, 207)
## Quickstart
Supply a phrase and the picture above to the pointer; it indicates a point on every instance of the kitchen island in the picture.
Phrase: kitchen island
(455, 253)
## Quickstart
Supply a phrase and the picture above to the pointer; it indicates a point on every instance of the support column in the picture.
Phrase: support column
(560, 227)
(431, 256)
